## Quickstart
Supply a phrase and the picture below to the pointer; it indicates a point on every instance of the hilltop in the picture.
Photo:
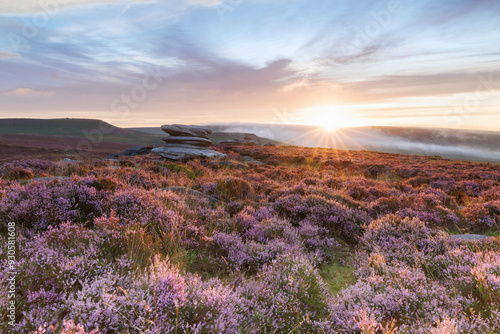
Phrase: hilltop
(79, 128)
(55, 139)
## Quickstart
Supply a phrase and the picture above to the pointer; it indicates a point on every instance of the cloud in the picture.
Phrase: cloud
(26, 92)
(8, 7)
(444, 84)
(309, 84)
(33, 6)
(205, 3)
(134, 2)
(7, 54)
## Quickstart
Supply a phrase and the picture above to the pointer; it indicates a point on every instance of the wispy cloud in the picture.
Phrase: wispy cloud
(205, 3)
(7, 54)
(21, 91)
(34, 6)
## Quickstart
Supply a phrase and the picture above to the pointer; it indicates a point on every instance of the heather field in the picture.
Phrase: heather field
(271, 240)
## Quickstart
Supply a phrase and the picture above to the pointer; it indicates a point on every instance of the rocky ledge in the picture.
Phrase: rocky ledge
(187, 142)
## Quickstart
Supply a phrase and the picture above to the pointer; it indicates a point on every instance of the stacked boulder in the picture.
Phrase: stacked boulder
(187, 142)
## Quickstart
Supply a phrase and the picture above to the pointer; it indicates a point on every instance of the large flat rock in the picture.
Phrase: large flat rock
(469, 237)
(186, 130)
(185, 152)
(194, 141)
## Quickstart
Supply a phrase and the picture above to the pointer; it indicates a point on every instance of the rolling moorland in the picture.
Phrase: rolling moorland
(299, 240)
(56, 139)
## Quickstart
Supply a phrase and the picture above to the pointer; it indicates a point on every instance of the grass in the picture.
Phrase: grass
(493, 233)
(490, 233)
(339, 273)
(337, 276)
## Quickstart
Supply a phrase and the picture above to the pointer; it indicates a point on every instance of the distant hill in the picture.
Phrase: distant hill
(56, 139)
(80, 128)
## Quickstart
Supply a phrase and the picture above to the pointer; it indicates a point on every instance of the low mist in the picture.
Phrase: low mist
(452, 144)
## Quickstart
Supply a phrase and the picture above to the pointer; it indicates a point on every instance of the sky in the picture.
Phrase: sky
(425, 63)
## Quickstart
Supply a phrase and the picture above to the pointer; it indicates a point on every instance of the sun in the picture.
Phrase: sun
(331, 118)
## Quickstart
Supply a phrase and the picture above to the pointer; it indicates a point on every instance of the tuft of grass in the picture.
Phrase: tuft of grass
(337, 276)
(178, 168)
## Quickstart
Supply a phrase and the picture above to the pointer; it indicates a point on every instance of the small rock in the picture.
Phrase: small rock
(132, 151)
(69, 161)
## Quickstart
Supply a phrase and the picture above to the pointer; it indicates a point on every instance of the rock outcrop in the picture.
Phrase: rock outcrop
(187, 142)
(186, 130)
(136, 150)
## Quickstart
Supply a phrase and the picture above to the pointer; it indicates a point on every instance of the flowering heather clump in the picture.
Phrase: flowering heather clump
(29, 166)
(482, 216)
(160, 247)
(62, 258)
(338, 219)
(409, 271)
(138, 205)
(38, 205)
(68, 327)
(287, 295)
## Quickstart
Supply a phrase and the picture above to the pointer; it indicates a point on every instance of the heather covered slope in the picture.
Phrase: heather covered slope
(297, 241)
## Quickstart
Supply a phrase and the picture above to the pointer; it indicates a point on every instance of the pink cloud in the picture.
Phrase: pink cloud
(21, 91)
(7, 54)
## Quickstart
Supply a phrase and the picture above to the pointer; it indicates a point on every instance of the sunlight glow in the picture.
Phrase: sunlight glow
(332, 117)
